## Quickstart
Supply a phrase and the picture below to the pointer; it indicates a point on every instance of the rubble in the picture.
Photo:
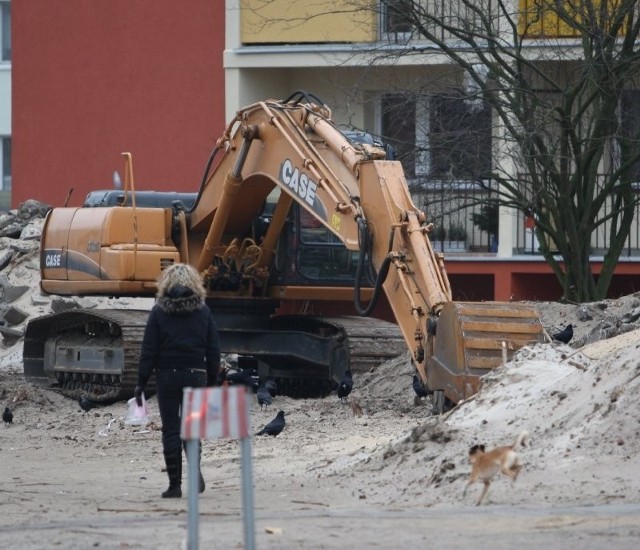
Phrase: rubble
(13, 222)
(20, 232)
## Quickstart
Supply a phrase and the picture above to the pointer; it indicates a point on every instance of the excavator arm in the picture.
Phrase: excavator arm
(364, 200)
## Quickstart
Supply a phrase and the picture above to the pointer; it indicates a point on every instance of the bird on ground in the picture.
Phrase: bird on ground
(248, 377)
(85, 404)
(264, 396)
(419, 388)
(564, 335)
(275, 426)
(7, 416)
(272, 386)
(345, 386)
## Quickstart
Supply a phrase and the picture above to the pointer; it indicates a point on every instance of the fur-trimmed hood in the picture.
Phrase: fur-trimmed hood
(180, 289)
(180, 299)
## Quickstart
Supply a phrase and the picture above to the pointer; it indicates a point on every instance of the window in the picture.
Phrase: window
(321, 255)
(396, 22)
(5, 30)
(5, 181)
(460, 138)
(630, 121)
(5, 161)
(398, 121)
(438, 136)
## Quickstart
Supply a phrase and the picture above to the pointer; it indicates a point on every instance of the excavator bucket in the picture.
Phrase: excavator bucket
(472, 338)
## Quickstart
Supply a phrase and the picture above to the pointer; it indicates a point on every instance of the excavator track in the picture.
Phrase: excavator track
(371, 341)
(358, 344)
(93, 353)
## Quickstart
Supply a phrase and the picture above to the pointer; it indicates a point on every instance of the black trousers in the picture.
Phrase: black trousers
(169, 384)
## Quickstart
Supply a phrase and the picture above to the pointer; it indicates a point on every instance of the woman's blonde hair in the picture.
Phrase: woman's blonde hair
(180, 275)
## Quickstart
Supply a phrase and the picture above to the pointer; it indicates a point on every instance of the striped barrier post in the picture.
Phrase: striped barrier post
(213, 413)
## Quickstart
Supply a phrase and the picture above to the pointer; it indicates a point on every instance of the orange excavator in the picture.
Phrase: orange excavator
(314, 256)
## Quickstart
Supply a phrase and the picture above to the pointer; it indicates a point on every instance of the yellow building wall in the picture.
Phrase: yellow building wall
(305, 21)
(540, 19)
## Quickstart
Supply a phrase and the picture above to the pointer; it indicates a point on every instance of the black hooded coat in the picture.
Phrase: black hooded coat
(180, 334)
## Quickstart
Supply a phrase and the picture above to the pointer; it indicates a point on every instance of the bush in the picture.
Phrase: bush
(457, 232)
(487, 218)
(439, 233)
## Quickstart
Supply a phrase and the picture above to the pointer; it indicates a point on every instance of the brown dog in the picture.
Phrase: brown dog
(485, 465)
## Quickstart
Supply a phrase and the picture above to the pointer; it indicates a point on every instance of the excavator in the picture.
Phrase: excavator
(315, 259)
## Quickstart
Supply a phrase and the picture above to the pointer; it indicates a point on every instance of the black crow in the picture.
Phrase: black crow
(275, 426)
(264, 396)
(345, 386)
(7, 416)
(85, 404)
(419, 388)
(564, 335)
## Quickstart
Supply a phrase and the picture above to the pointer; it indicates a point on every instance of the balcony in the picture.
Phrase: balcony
(457, 205)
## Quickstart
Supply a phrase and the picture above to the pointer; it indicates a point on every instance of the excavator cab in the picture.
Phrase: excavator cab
(308, 254)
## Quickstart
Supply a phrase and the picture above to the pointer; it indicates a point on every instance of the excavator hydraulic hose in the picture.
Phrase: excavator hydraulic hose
(364, 239)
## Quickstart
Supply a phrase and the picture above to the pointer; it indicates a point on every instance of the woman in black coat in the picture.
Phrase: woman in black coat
(181, 344)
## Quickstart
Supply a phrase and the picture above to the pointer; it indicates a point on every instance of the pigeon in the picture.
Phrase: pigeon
(345, 386)
(564, 335)
(264, 396)
(272, 386)
(85, 404)
(419, 388)
(275, 426)
(7, 416)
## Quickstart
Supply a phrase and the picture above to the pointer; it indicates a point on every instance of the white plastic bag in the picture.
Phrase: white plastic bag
(136, 415)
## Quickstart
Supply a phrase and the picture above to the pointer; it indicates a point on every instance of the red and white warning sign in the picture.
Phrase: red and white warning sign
(211, 413)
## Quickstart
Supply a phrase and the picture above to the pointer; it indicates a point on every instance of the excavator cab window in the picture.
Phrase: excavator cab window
(313, 232)
(321, 255)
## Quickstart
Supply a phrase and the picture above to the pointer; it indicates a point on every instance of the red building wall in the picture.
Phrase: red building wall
(91, 80)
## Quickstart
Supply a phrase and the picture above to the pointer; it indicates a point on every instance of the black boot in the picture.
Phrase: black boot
(174, 471)
(201, 484)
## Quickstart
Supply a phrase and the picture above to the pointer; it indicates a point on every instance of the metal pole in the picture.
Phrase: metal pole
(247, 493)
(192, 493)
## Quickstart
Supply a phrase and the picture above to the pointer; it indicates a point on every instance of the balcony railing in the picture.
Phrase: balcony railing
(453, 205)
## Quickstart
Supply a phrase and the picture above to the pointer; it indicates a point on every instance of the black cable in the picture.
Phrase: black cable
(364, 240)
(212, 156)
(308, 97)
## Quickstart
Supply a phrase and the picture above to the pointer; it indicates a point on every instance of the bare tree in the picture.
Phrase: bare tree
(559, 77)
